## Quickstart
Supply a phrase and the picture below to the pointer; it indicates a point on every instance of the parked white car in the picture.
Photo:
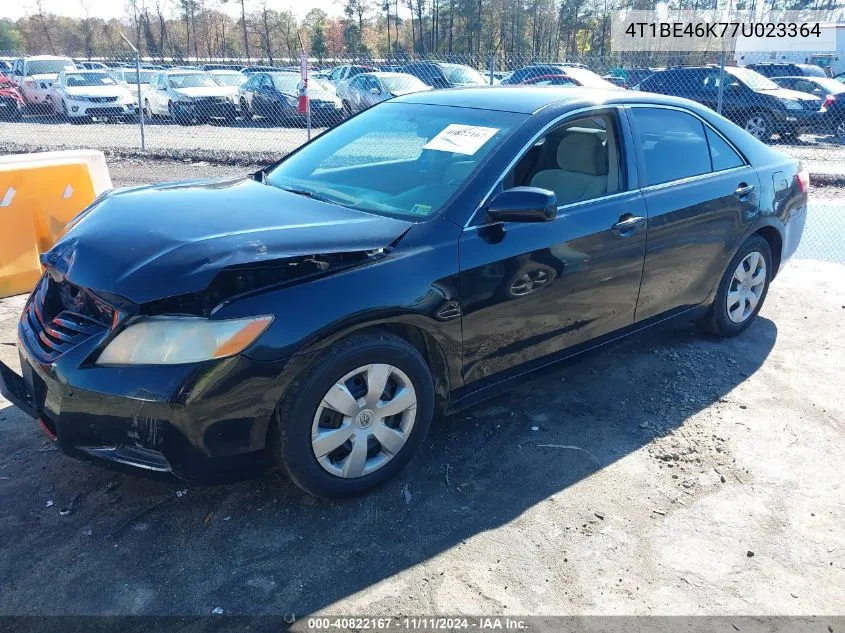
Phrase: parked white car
(188, 96)
(34, 77)
(347, 71)
(90, 95)
(368, 89)
(231, 79)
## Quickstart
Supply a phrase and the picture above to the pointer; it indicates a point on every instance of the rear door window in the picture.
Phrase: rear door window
(674, 144)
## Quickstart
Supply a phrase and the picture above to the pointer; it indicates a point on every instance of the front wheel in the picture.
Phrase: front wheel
(742, 290)
(355, 417)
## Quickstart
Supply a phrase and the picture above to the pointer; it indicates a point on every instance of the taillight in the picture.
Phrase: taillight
(803, 180)
(828, 101)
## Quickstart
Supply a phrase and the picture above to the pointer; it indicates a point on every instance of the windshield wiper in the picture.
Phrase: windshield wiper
(307, 193)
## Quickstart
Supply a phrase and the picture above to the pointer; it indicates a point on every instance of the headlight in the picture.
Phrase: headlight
(175, 340)
(791, 104)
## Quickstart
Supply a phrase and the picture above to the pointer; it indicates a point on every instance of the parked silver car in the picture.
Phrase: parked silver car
(366, 90)
(188, 96)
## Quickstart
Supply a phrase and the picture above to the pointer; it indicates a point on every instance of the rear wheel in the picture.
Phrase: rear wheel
(742, 290)
(355, 417)
(148, 111)
(13, 110)
(245, 113)
(759, 125)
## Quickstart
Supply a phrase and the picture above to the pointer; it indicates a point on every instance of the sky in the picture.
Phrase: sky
(106, 9)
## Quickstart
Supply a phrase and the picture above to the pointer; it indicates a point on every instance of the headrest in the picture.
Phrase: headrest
(583, 151)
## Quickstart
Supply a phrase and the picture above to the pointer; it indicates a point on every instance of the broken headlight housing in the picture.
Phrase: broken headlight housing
(164, 340)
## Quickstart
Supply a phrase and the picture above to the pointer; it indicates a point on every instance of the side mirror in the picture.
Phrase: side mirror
(523, 204)
(375, 91)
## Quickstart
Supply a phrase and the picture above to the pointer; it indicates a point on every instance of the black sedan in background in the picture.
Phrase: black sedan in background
(832, 91)
(748, 99)
(275, 96)
(414, 259)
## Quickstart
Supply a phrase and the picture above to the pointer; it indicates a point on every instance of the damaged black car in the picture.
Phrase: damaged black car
(319, 313)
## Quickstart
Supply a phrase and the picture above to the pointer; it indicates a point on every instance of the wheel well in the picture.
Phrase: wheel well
(772, 236)
(431, 352)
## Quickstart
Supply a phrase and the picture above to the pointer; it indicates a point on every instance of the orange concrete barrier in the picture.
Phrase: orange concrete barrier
(39, 194)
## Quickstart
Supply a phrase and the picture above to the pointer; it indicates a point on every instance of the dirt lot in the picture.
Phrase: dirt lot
(673, 474)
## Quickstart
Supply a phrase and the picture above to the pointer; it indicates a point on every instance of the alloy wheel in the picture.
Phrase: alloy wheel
(747, 286)
(364, 420)
(840, 130)
(757, 127)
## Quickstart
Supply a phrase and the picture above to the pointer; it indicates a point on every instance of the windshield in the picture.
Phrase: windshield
(753, 80)
(398, 159)
(457, 74)
(49, 66)
(588, 78)
(75, 80)
(402, 83)
(287, 82)
(194, 80)
(229, 79)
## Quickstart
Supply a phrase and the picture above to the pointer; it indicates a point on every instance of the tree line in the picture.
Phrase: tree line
(383, 29)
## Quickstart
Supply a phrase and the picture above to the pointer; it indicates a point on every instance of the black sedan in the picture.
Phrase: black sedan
(275, 96)
(832, 91)
(418, 257)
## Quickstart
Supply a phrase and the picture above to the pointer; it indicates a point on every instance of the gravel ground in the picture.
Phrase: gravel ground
(671, 474)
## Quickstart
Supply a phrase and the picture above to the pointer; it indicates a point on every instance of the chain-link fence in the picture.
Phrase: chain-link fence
(226, 110)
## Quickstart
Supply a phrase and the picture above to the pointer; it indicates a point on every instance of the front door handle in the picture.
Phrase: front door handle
(743, 190)
(627, 224)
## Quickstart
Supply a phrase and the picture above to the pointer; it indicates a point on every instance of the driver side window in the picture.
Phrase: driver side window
(578, 160)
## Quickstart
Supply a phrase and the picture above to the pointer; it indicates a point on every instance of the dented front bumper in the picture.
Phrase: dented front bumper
(204, 422)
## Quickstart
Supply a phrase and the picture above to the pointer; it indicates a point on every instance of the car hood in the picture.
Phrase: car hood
(160, 241)
(203, 91)
(49, 77)
(97, 91)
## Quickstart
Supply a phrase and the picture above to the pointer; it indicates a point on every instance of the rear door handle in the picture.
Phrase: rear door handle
(627, 224)
(743, 190)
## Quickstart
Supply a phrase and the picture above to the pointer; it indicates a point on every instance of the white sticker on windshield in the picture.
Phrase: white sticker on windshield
(461, 139)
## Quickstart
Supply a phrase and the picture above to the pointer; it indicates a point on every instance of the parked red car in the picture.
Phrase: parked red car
(11, 101)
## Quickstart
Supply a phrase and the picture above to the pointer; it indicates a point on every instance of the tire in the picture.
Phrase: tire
(759, 125)
(13, 110)
(347, 109)
(245, 113)
(148, 111)
(719, 320)
(839, 129)
(302, 413)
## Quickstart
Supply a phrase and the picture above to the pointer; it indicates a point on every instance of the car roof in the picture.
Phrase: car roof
(387, 73)
(223, 71)
(45, 57)
(528, 99)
